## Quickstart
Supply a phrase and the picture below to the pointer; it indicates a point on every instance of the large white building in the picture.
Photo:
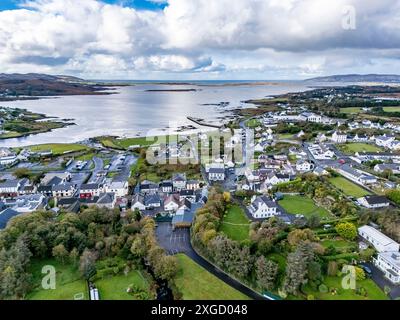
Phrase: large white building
(377, 239)
(338, 137)
(389, 264)
(263, 207)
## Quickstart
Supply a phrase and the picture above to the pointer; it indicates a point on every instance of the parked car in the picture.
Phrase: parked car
(366, 269)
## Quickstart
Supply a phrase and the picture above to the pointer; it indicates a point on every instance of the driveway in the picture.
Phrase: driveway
(178, 241)
(381, 281)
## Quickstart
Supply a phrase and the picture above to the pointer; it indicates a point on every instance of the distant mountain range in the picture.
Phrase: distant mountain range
(30, 85)
(384, 78)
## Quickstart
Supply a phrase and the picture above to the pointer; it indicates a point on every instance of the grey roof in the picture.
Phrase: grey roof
(6, 215)
(152, 199)
(376, 199)
(106, 198)
(216, 170)
(62, 187)
(90, 186)
(9, 183)
(264, 200)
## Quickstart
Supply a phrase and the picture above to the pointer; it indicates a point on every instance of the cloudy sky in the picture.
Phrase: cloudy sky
(200, 39)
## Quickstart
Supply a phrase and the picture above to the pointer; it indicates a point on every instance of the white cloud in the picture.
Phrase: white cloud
(241, 38)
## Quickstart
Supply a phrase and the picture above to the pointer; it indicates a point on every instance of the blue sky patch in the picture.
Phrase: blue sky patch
(138, 4)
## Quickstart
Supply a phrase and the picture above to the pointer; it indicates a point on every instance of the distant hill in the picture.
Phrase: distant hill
(384, 78)
(16, 86)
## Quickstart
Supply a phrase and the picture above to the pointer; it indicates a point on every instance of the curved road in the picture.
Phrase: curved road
(179, 242)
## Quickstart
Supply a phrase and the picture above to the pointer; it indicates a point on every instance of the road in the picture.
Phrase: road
(179, 242)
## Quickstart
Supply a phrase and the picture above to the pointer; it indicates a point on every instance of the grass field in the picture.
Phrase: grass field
(139, 141)
(253, 123)
(236, 224)
(348, 187)
(286, 136)
(351, 110)
(391, 109)
(372, 290)
(114, 287)
(59, 148)
(196, 283)
(351, 148)
(302, 205)
(68, 282)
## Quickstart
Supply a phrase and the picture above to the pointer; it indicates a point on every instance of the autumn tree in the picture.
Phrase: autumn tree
(87, 264)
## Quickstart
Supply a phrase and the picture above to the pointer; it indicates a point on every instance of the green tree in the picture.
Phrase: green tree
(74, 256)
(266, 273)
(87, 264)
(60, 253)
(346, 230)
(166, 268)
(297, 268)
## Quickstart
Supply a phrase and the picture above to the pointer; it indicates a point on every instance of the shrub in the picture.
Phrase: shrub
(323, 288)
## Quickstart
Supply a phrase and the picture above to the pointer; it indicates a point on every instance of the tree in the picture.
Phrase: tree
(360, 274)
(300, 235)
(137, 215)
(73, 256)
(297, 268)
(21, 173)
(266, 273)
(346, 230)
(60, 253)
(138, 248)
(166, 268)
(314, 221)
(87, 264)
(332, 268)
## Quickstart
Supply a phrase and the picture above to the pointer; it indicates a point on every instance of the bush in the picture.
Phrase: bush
(346, 230)
(323, 288)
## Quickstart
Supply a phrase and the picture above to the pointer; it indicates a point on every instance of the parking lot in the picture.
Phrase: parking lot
(173, 241)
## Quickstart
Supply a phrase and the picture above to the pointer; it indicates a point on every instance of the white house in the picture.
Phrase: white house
(120, 188)
(311, 117)
(216, 174)
(384, 141)
(389, 264)
(138, 203)
(394, 167)
(64, 190)
(263, 207)
(179, 181)
(7, 157)
(381, 242)
(171, 203)
(374, 202)
(304, 166)
(339, 137)
(9, 187)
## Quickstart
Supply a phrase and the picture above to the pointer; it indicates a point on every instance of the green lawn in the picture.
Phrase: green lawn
(114, 287)
(236, 224)
(139, 141)
(68, 282)
(86, 157)
(196, 283)
(302, 205)
(391, 109)
(348, 187)
(351, 110)
(285, 136)
(253, 123)
(373, 291)
(59, 148)
(352, 148)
